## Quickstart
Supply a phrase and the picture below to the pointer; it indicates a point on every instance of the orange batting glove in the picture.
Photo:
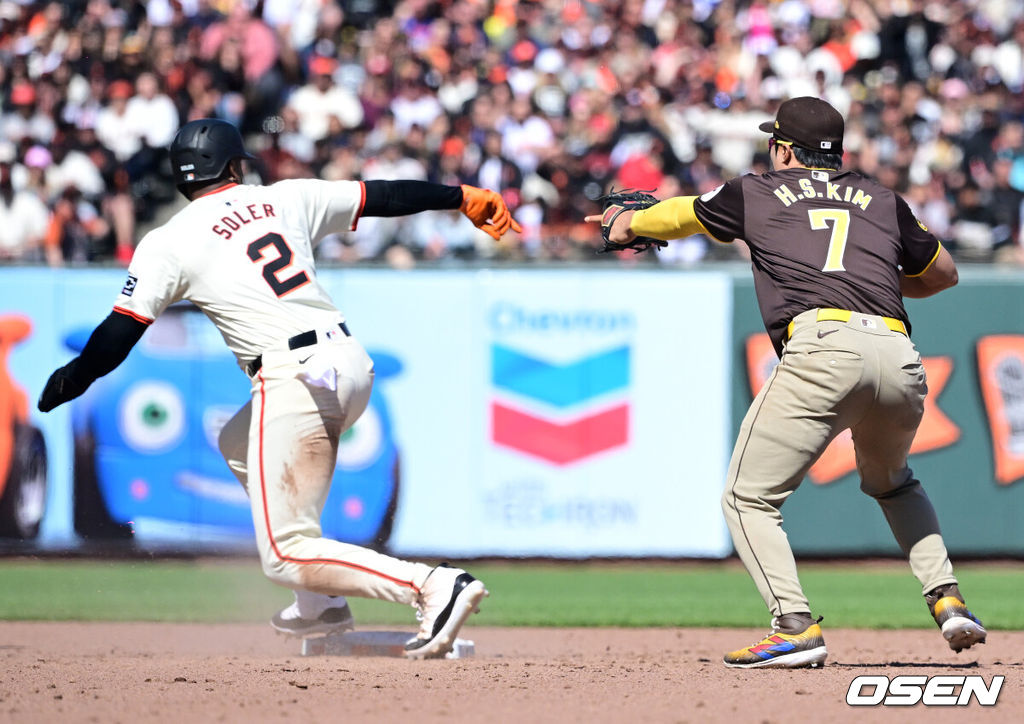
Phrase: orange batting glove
(487, 210)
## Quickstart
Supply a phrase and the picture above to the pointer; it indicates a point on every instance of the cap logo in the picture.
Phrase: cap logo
(776, 124)
(826, 145)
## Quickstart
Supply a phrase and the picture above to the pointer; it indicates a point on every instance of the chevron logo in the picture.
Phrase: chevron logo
(560, 385)
(560, 413)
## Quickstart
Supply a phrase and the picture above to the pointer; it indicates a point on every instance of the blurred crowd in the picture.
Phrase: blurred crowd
(549, 102)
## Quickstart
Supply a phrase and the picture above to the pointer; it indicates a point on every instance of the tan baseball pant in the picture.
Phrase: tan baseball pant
(833, 375)
(282, 446)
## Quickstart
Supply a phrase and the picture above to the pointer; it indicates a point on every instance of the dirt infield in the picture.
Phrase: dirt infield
(107, 673)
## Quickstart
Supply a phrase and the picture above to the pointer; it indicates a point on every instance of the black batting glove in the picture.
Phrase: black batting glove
(60, 388)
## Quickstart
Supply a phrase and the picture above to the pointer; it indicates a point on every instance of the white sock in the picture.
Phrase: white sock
(311, 605)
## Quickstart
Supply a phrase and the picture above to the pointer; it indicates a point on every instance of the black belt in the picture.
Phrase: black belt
(305, 339)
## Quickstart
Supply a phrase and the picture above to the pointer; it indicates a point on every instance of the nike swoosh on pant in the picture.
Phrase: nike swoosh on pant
(827, 332)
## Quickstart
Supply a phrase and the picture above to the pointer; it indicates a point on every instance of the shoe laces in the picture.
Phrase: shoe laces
(777, 630)
(423, 604)
(774, 631)
(420, 606)
(426, 627)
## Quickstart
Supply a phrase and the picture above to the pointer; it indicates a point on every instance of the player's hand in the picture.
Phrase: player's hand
(619, 232)
(60, 388)
(487, 210)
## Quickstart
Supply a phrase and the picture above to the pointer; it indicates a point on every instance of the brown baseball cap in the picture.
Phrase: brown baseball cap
(810, 123)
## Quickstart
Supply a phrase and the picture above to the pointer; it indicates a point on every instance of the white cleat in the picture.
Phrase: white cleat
(449, 596)
(959, 626)
(963, 633)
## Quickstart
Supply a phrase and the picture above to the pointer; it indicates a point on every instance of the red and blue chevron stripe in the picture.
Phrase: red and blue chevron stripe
(583, 385)
(777, 645)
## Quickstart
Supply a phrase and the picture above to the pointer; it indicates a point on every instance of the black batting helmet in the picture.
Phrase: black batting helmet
(202, 149)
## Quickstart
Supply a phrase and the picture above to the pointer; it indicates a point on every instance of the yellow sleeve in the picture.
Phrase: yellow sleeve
(669, 219)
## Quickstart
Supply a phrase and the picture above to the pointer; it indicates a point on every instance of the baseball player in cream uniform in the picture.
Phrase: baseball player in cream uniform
(243, 254)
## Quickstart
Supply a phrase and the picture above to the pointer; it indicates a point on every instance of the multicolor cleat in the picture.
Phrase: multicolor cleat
(782, 650)
(959, 626)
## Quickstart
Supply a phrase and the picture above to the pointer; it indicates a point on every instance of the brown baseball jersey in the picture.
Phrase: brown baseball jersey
(820, 238)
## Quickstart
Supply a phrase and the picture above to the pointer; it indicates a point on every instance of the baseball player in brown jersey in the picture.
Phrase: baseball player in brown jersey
(244, 255)
(832, 254)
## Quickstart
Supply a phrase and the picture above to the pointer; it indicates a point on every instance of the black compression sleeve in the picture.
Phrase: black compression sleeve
(399, 198)
(108, 346)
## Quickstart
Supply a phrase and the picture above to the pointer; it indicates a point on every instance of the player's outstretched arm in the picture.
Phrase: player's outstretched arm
(635, 219)
(107, 347)
(485, 208)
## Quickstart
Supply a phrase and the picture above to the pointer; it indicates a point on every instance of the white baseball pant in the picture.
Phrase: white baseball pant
(287, 436)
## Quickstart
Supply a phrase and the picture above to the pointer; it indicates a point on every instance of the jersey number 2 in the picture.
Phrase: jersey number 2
(271, 268)
(840, 219)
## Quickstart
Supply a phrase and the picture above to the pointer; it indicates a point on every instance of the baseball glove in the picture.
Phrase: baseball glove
(614, 204)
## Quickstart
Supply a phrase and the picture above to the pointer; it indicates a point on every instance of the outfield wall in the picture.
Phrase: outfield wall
(565, 413)
(534, 413)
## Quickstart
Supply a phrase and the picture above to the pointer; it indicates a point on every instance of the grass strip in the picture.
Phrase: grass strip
(627, 594)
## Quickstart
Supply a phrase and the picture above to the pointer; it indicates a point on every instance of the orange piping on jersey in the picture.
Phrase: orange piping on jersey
(217, 190)
(928, 265)
(133, 315)
(362, 203)
(266, 516)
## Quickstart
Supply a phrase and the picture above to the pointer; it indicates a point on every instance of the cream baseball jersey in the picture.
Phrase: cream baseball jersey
(244, 256)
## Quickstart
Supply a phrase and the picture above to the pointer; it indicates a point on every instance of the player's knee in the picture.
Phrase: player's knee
(735, 503)
(738, 501)
(728, 503)
(279, 560)
(279, 572)
(228, 445)
(869, 487)
(737, 496)
(882, 482)
(233, 438)
(224, 446)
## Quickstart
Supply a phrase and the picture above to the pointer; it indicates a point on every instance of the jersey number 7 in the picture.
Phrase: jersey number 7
(840, 219)
(271, 268)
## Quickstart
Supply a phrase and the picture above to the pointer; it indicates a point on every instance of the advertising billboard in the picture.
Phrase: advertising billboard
(514, 414)
(539, 418)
